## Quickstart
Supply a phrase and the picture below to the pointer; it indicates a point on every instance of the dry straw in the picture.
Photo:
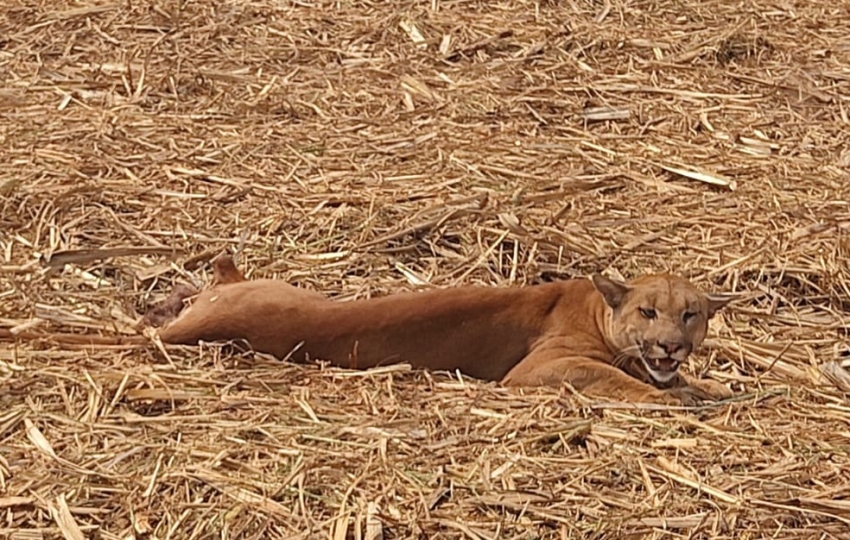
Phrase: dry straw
(363, 148)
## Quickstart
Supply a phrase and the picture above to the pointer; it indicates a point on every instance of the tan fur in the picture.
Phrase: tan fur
(590, 333)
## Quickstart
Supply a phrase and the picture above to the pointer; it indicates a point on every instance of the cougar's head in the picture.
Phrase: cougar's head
(658, 318)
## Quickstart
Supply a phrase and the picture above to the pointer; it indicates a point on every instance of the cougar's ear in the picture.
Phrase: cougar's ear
(716, 302)
(612, 290)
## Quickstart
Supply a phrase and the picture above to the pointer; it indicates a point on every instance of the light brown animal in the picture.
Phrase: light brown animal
(622, 341)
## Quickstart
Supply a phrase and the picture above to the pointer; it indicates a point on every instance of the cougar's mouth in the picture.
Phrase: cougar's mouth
(661, 369)
(662, 364)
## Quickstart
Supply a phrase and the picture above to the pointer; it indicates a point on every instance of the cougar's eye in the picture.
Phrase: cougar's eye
(649, 313)
(688, 316)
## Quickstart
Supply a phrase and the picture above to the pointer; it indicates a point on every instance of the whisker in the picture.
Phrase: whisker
(625, 354)
(620, 359)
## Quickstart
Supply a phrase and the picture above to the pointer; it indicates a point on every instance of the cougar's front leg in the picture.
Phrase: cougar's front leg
(592, 378)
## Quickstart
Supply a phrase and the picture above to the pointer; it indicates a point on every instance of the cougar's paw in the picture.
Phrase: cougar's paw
(661, 397)
(168, 309)
(690, 396)
(714, 389)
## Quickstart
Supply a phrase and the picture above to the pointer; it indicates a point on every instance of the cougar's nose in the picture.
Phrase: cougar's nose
(670, 347)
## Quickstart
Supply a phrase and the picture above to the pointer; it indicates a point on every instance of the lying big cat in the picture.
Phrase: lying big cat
(607, 338)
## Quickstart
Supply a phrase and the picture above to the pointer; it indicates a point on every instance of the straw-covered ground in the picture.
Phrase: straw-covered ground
(362, 148)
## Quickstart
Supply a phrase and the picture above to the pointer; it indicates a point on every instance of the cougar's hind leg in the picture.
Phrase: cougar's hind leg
(225, 271)
(172, 310)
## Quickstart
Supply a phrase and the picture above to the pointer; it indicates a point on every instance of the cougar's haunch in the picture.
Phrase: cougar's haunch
(607, 338)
